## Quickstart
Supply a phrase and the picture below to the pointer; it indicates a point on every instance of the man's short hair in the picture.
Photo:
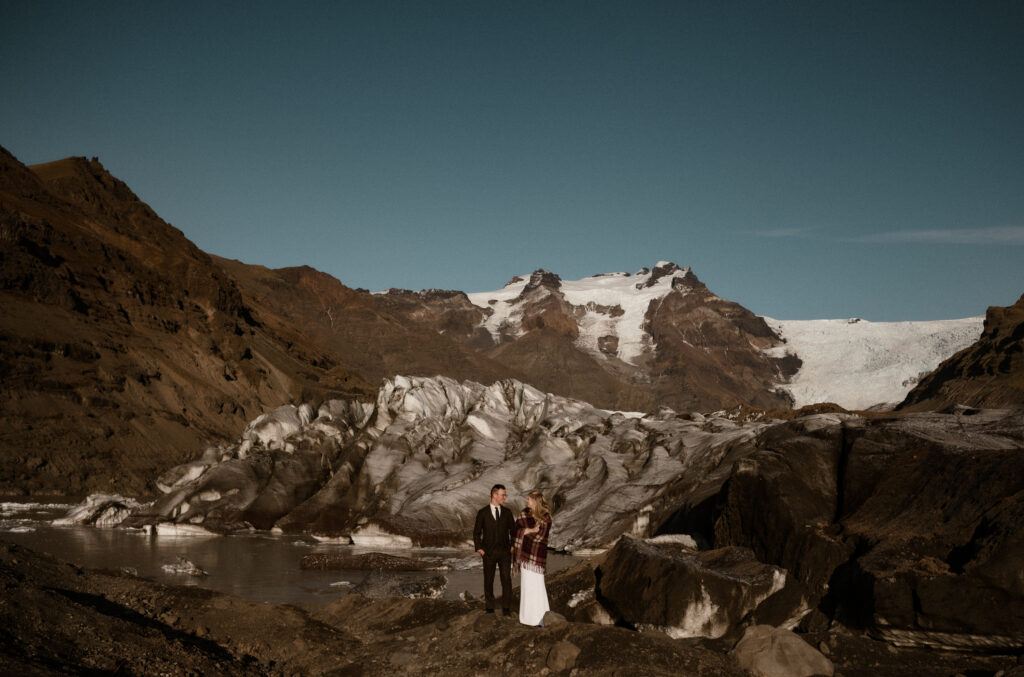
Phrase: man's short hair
(496, 488)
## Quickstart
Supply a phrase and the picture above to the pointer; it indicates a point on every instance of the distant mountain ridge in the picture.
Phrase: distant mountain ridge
(124, 348)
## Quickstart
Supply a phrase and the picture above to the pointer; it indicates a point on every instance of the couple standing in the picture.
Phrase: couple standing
(523, 542)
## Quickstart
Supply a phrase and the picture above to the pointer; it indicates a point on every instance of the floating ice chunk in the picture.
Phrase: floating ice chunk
(174, 530)
(374, 537)
(184, 567)
(101, 510)
(336, 540)
(7, 509)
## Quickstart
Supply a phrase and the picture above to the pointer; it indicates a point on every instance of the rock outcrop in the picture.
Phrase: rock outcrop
(685, 593)
(989, 373)
(906, 526)
(775, 652)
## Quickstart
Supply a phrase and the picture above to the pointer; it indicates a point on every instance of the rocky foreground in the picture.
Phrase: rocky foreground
(909, 527)
(58, 619)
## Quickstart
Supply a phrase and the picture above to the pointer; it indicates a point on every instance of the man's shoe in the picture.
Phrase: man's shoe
(490, 611)
(505, 612)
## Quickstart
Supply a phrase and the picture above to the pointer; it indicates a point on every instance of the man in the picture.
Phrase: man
(493, 536)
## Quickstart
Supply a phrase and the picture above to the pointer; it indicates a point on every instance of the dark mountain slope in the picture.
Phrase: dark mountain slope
(123, 347)
(989, 373)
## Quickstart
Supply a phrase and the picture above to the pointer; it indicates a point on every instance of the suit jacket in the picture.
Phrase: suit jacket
(494, 537)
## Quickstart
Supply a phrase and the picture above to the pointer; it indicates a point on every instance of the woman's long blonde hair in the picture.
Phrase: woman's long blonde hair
(543, 510)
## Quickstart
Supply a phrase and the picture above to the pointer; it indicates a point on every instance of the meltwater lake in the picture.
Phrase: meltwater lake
(258, 566)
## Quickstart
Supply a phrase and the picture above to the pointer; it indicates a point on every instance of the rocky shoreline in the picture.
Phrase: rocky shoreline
(59, 619)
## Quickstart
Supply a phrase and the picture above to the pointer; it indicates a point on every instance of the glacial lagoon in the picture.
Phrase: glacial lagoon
(259, 566)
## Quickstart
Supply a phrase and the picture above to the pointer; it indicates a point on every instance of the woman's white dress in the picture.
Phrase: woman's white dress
(533, 597)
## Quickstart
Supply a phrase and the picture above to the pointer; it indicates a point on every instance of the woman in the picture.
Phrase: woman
(532, 530)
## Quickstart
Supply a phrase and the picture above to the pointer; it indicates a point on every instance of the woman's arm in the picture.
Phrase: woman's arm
(542, 529)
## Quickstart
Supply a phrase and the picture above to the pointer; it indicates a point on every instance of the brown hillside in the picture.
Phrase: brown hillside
(373, 336)
(989, 373)
(124, 349)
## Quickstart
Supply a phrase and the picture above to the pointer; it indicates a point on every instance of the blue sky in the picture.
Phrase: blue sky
(807, 159)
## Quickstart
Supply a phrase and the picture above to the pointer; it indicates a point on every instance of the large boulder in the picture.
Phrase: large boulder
(936, 505)
(682, 592)
(775, 652)
(909, 526)
(782, 500)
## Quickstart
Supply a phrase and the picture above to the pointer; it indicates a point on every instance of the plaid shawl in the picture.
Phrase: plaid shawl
(532, 549)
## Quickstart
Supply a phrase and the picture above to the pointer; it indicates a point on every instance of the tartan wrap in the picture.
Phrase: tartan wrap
(532, 549)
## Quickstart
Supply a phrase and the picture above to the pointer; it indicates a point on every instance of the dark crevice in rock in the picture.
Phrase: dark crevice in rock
(845, 445)
(962, 554)
(850, 597)
(697, 521)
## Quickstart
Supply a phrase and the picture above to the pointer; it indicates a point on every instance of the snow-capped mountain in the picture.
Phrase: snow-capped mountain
(624, 323)
(657, 337)
(610, 309)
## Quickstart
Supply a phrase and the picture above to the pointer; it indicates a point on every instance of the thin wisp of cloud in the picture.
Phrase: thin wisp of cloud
(997, 235)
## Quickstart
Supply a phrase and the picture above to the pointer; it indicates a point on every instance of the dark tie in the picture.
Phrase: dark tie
(495, 513)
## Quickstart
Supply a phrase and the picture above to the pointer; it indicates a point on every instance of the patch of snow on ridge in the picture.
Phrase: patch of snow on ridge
(859, 364)
(502, 303)
(629, 292)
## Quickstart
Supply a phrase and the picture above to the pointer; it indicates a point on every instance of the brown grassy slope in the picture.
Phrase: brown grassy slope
(124, 349)
(989, 373)
(367, 334)
(709, 353)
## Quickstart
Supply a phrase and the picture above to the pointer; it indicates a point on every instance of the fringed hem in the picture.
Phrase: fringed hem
(535, 568)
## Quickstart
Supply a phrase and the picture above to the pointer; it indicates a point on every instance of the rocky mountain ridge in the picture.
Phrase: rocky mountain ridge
(989, 373)
(122, 345)
(124, 348)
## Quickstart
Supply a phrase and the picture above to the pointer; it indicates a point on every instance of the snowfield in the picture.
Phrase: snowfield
(599, 294)
(859, 364)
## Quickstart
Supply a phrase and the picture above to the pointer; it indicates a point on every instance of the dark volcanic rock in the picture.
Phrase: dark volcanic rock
(683, 592)
(387, 584)
(989, 373)
(781, 500)
(913, 522)
(937, 502)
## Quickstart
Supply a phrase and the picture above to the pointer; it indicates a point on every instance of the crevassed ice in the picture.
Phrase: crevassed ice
(858, 364)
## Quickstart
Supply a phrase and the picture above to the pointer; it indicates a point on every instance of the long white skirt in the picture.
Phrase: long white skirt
(533, 598)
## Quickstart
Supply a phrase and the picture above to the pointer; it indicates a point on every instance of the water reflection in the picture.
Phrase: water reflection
(259, 567)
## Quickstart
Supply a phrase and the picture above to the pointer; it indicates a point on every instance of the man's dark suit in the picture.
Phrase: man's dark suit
(495, 538)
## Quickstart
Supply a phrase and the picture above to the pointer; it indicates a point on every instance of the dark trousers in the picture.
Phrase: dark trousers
(504, 563)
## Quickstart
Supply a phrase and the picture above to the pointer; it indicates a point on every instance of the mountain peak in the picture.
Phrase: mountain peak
(664, 269)
(542, 278)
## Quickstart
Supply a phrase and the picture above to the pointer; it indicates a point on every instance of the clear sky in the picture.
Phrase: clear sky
(808, 159)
